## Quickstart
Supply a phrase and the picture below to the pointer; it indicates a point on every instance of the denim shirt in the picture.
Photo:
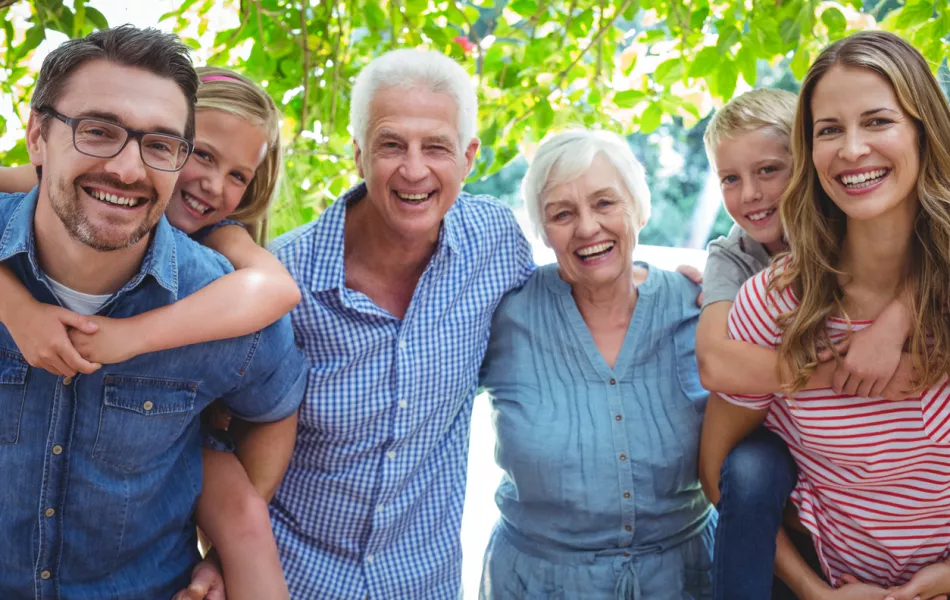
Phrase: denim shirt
(101, 472)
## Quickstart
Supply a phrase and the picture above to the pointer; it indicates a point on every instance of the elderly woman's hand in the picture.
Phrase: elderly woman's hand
(694, 275)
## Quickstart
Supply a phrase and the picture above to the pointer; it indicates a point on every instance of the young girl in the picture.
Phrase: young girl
(748, 144)
(867, 220)
(231, 174)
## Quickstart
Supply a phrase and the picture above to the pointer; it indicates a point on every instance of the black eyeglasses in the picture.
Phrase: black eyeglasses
(105, 139)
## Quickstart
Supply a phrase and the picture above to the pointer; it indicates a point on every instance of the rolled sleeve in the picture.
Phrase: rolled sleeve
(274, 380)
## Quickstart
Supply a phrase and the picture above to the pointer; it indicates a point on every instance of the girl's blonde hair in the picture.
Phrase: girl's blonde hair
(768, 109)
(227, 91)
(815, 226)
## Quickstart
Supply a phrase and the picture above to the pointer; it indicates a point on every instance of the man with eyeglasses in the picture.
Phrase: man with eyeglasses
(101, 471)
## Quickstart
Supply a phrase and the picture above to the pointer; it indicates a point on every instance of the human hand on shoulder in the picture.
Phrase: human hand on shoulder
(905, 383)
(694, 275)
(870, 360)
(115, 341)
(41, 332)
(207, 582)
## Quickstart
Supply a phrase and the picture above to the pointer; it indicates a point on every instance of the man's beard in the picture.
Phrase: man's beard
(64, 199)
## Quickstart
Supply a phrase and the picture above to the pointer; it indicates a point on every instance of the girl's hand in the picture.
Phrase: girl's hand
(871, 358)
(930, 583)
(41, 332)
(116, 340)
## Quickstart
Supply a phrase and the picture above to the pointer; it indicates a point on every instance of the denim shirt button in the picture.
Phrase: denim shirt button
(57, 449)
(148, 405)
(67, 380)
(45, 575)
(50, 512)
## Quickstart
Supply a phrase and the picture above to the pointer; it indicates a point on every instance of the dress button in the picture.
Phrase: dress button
(45, 575)
(402, 345)
(626, 495)
(49, 512)
(628, 528)
(370, 558)
(619, 417)
(613, 382)
(148, 405)
(623, 457)
(57, 449)
(403, 404)
(391, 455)
(67, 380)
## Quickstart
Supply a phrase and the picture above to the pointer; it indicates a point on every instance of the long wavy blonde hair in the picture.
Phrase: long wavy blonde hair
(815, 226)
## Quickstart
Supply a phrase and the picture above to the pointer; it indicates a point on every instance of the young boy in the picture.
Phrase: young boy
(748, 145)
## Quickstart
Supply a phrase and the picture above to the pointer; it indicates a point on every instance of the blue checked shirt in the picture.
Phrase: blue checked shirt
(372, 502)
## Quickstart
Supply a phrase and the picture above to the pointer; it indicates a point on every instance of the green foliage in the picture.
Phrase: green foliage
(624, 65)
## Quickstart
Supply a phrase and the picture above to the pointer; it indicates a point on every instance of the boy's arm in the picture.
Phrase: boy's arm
(259, 292)
(17, 179)
(40, 330)
(738, 367)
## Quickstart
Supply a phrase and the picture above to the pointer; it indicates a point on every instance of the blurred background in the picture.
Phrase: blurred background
(652, 70)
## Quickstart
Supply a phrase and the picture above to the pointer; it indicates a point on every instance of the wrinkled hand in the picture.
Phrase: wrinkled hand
(930, 583)
(694, 275)
(869, 363)
(207, 583)
(115, 341)
(41, 332)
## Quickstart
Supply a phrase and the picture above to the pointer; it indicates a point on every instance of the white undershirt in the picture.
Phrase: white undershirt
(84, 304)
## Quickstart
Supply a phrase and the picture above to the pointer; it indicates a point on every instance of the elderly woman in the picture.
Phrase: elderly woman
(596, 398)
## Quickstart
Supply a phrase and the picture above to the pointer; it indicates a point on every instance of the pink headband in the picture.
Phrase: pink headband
(219, 78)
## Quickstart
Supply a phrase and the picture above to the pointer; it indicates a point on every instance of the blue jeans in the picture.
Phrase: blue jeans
(756, 479)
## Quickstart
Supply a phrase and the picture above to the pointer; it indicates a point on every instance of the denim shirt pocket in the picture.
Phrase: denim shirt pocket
(140, 419)
(13, 371)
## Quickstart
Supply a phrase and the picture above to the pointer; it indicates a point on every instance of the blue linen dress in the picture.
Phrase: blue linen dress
(601, 496)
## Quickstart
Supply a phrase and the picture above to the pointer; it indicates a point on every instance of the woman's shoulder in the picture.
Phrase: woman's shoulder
(671, 289)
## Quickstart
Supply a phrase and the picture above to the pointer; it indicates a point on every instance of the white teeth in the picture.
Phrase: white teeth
(113, 199)
(203, 209)
(595, 249)
(857, 180)
(412, 196)
(758, 216)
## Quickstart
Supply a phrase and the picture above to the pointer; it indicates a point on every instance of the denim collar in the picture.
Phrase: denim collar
(161, 258)
(329, 272)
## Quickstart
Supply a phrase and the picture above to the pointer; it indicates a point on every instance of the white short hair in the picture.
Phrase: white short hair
(408, 68)
(566, 156)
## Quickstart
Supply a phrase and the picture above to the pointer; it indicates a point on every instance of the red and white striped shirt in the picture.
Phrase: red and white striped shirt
(874, 475)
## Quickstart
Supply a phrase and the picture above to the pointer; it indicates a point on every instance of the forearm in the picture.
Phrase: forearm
(13, 294)
(795, 572)
(17, 179)
(237, 304)
(264, 450)
(736, 367)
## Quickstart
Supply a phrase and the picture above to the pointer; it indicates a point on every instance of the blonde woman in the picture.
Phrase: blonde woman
(867, 218)
(221, 200)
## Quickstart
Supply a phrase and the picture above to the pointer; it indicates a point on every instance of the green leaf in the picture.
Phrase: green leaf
(915, 13)
(34, 36)
(652, 36)
(628, 98)
(375, 17)
(728, 37)
(525, 8)
(800, 62)
(790, 31)
(96, 18)
(834, 20)
(651, 118)
(543, 114)
(704, 62)
(581, 24)
(726, 79)
(699, 17)
(669, 71)
(747, 64)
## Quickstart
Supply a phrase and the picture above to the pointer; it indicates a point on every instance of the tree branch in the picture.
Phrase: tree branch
(600, 33)
(305, 47)
(6, 3)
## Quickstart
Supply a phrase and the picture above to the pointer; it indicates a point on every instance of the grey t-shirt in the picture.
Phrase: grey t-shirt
(731, 261)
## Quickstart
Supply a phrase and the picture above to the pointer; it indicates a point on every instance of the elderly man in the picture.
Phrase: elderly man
(399, 277)
(101, 471)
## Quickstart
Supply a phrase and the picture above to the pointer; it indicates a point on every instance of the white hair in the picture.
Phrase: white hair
(408, 68)
(566, 156)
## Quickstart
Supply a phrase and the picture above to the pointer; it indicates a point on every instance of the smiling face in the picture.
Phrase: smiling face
(228, 150)
(865, 147)
(754, 169)
(589, 225)
(413, 165)
(108, 203)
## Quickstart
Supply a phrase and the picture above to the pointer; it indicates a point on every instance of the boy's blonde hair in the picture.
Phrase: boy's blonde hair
(758, 109)
(234, 94)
